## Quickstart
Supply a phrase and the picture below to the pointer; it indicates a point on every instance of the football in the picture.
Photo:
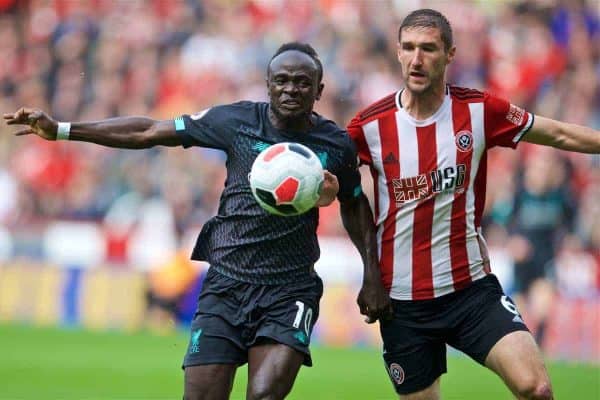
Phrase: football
(286, 179)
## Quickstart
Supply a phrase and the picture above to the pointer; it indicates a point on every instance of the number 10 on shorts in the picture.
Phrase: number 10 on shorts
(300, 314)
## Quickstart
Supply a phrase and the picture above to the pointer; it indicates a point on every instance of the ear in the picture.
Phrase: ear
(320, 91)
(398, 50)
(451, 54)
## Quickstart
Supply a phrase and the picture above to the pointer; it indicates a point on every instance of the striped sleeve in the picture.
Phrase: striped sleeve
(505, 123)
(358, 136)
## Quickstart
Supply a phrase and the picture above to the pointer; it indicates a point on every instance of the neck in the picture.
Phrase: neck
(423, 105)
(301, 123)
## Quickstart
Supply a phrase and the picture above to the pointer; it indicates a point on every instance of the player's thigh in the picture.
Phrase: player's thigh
(213, 340)
(414, 356)
(288, 316)
(430, 393)
(208, 382)
(272, 370)
(492, 332)
(518, 361)
(484, 316)
(211, 359)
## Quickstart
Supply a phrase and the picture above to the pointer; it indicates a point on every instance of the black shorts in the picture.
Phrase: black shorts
(233, 316)
(471, 320)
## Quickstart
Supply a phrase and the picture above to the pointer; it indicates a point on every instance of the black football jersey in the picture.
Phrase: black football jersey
(243, 241)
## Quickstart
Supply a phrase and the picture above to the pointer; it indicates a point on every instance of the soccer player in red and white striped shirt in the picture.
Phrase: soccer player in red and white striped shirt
(426, 148)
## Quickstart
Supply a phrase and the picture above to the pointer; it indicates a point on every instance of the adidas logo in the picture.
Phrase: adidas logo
(390, 159)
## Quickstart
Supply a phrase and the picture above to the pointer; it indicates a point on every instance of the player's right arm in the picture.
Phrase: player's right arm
(373, 300)
(121, 132)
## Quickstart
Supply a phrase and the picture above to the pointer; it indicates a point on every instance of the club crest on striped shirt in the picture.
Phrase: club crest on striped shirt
(464, 141)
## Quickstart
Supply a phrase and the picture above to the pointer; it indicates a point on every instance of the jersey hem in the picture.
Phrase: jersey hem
(441, 292)
(275, 279)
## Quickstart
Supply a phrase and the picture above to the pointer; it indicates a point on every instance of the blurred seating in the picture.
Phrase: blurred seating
(103, 58)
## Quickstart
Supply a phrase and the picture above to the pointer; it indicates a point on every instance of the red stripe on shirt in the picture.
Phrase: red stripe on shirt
(375, 177)
(479, 188)
(358, 135)
(461, 118)
(422, 276)
(388, 134)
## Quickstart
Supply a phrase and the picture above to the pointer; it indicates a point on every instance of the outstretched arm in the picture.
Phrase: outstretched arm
(373, 300)
(122, 132)
(562, 135)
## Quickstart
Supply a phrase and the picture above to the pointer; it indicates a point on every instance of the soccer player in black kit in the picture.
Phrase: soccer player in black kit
(260, 298)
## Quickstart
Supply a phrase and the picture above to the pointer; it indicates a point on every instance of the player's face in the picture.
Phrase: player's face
(423, 58)
(293, 84)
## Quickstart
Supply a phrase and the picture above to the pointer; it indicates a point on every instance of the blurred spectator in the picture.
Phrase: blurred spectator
(168, 284)
(97, 59)
(542, 214)
(576, 270)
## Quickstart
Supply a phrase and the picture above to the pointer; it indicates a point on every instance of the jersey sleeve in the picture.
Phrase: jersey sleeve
(349, 176)
(357, 134)
(208, 128)
(505, 123)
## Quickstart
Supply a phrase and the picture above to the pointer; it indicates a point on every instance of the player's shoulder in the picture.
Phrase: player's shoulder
(377, 109)
(327, 126)
(466, 95)
(330, 132)
(244, 106)
(232, 113)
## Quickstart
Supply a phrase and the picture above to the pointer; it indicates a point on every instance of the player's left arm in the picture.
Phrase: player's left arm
(373, 300)
(563, 135)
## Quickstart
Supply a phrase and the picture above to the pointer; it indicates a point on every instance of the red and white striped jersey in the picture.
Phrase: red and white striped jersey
(429, 181)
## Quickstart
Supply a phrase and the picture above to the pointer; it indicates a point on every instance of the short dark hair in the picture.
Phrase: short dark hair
(428, 18)
(303, 48)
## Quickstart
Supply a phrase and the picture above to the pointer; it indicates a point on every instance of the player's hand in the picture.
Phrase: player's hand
(39, 123)
(330, 189)
(374, 301)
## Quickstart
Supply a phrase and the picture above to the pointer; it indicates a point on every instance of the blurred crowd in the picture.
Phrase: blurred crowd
(95, 59)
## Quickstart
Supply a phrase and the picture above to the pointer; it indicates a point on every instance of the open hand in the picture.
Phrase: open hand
(330, 189)
(39, 123)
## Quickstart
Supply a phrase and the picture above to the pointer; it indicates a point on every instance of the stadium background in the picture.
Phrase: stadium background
(86, 232)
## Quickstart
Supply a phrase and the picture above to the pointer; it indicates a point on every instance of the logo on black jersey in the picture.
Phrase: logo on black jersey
(260, 146)
(199, 115)
(323, 158)
(464, 141)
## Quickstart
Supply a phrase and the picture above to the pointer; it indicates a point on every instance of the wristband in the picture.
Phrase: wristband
(62, 133)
